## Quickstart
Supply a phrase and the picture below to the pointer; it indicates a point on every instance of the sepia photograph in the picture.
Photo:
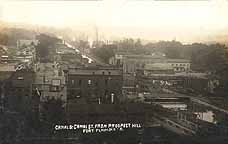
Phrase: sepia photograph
(113, 71)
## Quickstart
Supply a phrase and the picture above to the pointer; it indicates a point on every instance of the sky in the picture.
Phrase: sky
(186, 20)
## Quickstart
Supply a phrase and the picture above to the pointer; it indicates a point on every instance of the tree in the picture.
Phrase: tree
(105, 52)
(172, 49)
(83, 44)
(45, 49)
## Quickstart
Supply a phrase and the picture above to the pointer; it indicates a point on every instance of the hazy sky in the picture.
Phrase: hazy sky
(149, 19)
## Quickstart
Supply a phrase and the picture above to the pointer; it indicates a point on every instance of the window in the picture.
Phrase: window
(60, 73)
(56, 82)
(79, 82)
(106, 81)
(78, 94)
(89, 82)
(54, 89)
(103, 73)
(20, 78)
(72, 82)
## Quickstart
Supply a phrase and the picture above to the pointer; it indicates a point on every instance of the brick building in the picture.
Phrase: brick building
(94, 84)
(18, 90)
(130, 63)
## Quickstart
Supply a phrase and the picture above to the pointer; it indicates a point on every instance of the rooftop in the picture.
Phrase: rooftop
(183, 74)
(156, 58)
(95, 71)
(157, 66)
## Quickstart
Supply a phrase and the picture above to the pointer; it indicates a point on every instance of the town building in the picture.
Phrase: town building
(94, 84)
(152, 81)
(130, 63)
(3, 53)
(26, 54)
(49, 81)
(6, 70)
(17, 90)
(157, 68)
(25, 43)
(5, 57)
